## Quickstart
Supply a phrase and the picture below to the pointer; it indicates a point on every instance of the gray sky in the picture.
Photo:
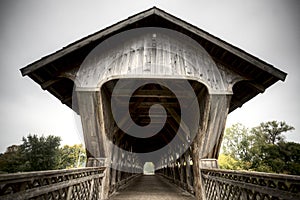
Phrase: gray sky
(29, 30)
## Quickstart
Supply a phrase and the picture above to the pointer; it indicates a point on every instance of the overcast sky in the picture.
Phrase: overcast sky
(29, 30)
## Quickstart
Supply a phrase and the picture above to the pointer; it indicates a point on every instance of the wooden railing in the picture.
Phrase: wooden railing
(77, 184)
(240, 185)
(85, 183)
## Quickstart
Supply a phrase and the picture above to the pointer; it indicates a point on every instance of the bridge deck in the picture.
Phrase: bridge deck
(152, 188)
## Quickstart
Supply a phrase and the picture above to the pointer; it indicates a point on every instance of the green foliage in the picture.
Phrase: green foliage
(261, 148)
(40, 153)
(11, 160)
(271, 132)
(283, 157)
(227, 162)
(71, 156)
(236, 141)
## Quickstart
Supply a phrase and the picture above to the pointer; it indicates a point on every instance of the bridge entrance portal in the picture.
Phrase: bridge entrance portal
(149, 168)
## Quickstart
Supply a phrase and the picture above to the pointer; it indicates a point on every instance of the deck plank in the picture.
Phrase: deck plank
(152, 188)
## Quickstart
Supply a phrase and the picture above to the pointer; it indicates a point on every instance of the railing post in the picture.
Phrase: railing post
(209, 164)
(106, 180)
(198, 182)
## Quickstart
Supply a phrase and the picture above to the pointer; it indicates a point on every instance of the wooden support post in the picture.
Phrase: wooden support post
(119, 175)
(207, 140)
(93, 143)
(188, 170)
(114, 168)
(105, 184)
(182, 171)
(99, 151)
(172, 167)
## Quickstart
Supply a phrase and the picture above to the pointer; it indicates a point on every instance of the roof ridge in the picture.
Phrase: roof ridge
(141, 15)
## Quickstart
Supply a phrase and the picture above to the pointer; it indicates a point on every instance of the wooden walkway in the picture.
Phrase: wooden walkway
(152, 188)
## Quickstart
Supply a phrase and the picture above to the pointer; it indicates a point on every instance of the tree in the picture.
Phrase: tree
(40, 153)
(71, 156)
(283, 157)
(271, 132)
(263, 148)
(236, 146)
(227, 162)
(233, 140)
(266, 150)
(10, 161)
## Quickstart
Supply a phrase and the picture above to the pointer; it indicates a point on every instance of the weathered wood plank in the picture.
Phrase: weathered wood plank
(246, 185)
(45, 189)
(152, 187)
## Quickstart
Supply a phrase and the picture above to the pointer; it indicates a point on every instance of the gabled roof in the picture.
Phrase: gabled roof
(48, 70)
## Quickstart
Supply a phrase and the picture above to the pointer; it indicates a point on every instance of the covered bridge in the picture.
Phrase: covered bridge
(153, 88)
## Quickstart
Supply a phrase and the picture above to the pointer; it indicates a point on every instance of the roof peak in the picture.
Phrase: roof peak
(170, 21)
(260, 74)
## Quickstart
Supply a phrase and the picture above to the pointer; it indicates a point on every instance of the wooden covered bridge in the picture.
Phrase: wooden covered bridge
(151, 88)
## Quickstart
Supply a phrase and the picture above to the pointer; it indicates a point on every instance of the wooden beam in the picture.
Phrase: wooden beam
(180, 121)
(154, 93)
(66, 99)
(48, 83)
(260, 88)
(150, 103)
(173, 126)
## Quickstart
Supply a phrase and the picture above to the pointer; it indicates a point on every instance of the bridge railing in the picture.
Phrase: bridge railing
(241, 185)
(79, 184)
(85, 183)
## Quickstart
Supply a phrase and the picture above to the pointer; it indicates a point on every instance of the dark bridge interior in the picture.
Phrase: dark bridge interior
(139, 105)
